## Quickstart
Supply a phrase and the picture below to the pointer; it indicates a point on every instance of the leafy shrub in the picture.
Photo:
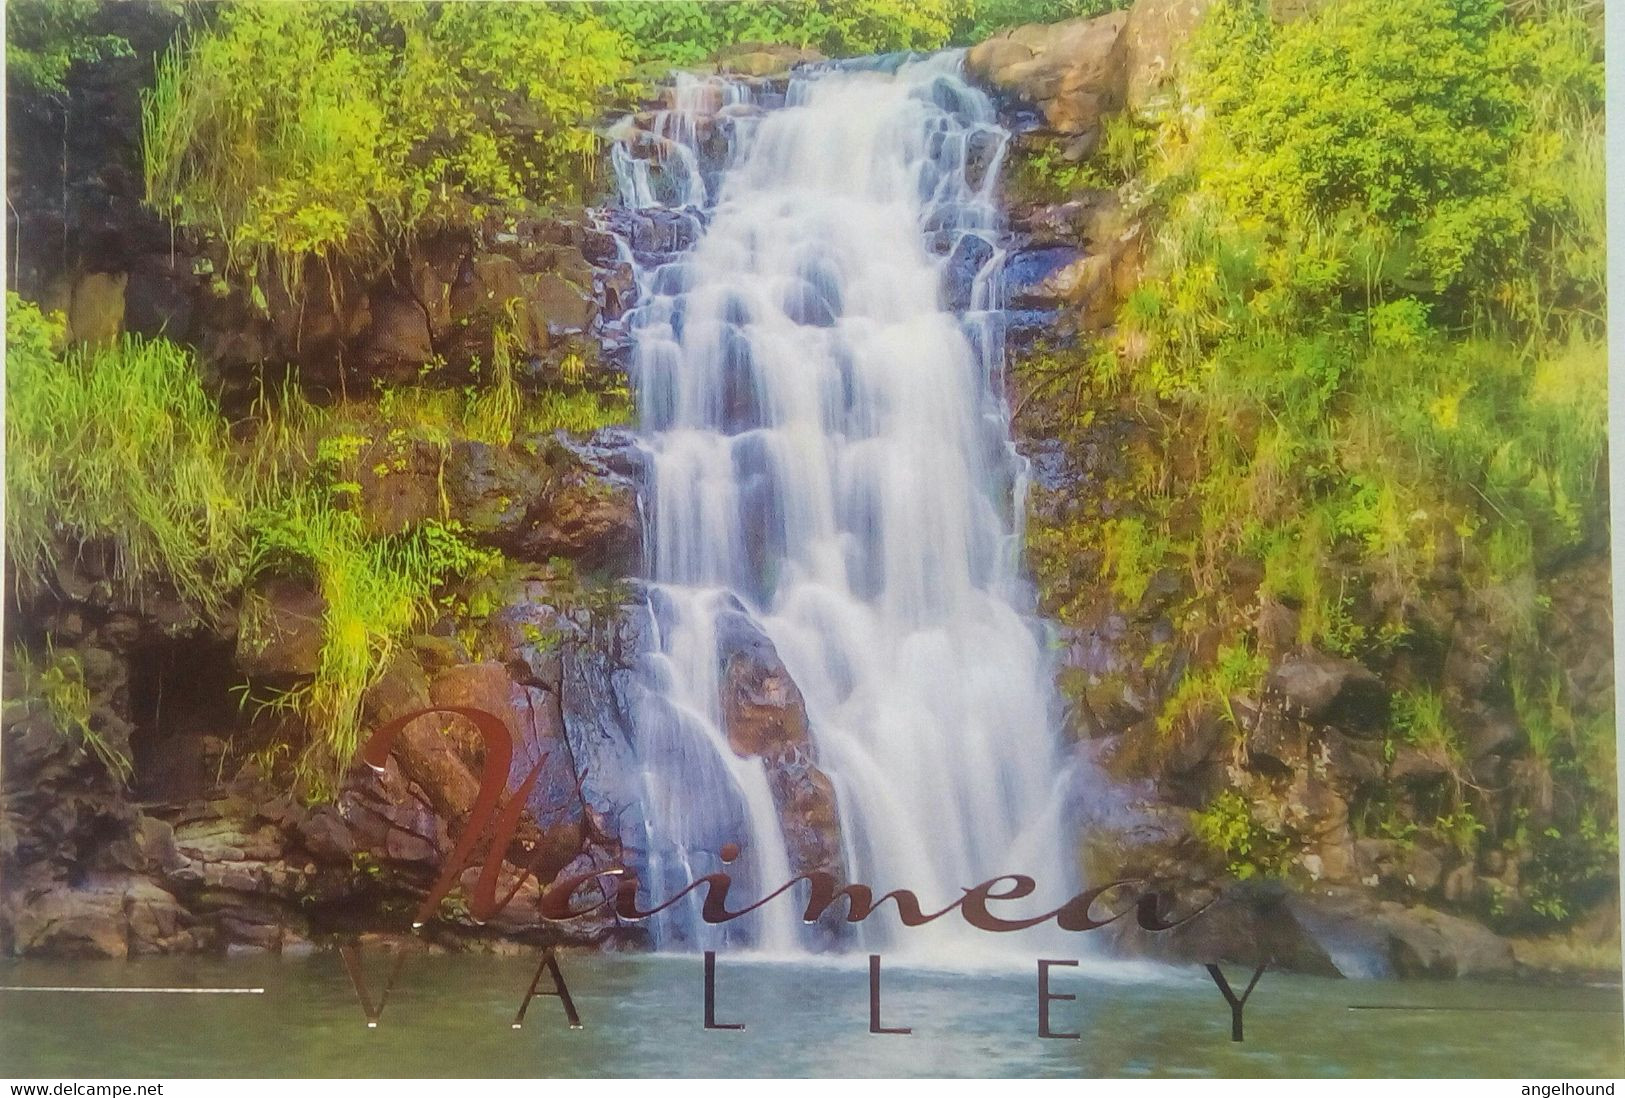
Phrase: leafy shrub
(1368, 347)
(45, 39)
(1228, 827)
(1355, 308)
(314, 131)
(1571, 869)
(683, 32)
(980, 19)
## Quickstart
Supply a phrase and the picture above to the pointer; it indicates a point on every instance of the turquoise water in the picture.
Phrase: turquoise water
(643, 1015)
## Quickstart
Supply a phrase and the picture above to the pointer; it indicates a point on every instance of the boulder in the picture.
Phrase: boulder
(552, 833)
(104, 916)
(400, 482)
(1332, 690)
(1155, 33)
(1074, 71)
(1276, 743)
(1398, 864)
(1371, 938)
(763, 711)
(1423, 942)
(1041, 277)
(397, 339)
(1417, 766)
(753, 59)
(1250, 923)
(589, 518)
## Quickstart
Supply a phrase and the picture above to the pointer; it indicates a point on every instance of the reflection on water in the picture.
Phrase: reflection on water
(642, 1015)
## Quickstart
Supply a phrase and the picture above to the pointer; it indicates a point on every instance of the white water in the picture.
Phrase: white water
(830, 451)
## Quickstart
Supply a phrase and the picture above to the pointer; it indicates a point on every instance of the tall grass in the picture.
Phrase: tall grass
(378, 591)
(118, 446)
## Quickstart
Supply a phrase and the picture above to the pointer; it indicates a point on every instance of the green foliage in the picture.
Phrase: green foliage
(580, 411)
(1374, 321)
(1228, 827)
(1044, 173)
(58, 683)
(118, 445)
(45, 39)
(319, 131)
(377, 590)
(1571, 870)
(980, 19)
(1236, 670)
(1368, 354)
(684, 32)
(1419, 717)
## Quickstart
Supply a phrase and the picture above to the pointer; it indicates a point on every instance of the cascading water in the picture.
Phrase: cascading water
(820, 395)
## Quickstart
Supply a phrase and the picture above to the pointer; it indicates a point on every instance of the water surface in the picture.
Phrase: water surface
(451, 1016)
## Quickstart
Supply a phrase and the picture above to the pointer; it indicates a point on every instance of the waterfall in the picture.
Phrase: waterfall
(820, 394)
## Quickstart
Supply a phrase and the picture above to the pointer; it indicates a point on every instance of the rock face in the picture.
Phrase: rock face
(1154, 35)
(1074, 72)
(1326, 933)
(239, 864)
(1329, 690)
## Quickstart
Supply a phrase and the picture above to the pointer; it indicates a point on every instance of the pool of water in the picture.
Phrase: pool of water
(452, 1016)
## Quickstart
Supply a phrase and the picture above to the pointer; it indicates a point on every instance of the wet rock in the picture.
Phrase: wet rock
(552, 834)
(1331, 690)
(980, 148)
(966, 259)
(428, 749)
(765, 716)
(763, 711)
(603, 669)
(587, 517)
(1028, 275)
